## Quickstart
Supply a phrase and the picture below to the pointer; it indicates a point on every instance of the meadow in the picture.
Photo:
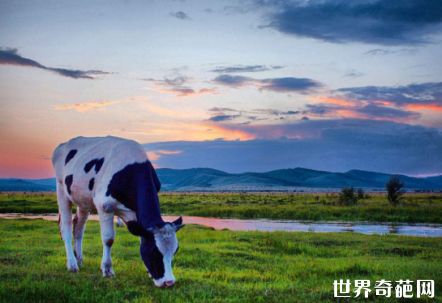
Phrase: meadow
(415, 208)
(211, 266)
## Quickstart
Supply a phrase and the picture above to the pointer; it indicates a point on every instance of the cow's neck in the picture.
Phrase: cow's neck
(148, 205)
(136, 186)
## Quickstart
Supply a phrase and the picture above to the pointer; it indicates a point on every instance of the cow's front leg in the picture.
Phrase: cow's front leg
(79, 227)
(107, 237)
(65, 225)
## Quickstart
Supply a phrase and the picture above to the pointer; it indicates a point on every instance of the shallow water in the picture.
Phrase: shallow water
(418, 230)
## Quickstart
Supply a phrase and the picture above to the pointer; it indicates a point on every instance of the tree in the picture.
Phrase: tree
(347, 196)
(361, 193)
(395, 190)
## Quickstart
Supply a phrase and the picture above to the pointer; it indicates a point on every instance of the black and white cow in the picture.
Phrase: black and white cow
(114, 176)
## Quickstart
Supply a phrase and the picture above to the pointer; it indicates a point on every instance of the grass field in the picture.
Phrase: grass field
(424, 208)
(211, 266)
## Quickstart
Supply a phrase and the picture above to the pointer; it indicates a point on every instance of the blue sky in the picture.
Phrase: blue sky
(344, 84)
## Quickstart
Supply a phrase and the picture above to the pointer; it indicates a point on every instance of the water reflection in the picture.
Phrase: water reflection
(419, 230)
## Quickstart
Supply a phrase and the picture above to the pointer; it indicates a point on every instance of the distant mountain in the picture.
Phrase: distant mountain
(27, 184)
(202, 179)
(286, 179)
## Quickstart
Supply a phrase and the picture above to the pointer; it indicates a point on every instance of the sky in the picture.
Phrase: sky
(232, 85)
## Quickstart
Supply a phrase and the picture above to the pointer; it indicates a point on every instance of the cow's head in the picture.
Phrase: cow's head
(157, 250)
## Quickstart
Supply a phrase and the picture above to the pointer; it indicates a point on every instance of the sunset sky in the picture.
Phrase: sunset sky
(233, 85)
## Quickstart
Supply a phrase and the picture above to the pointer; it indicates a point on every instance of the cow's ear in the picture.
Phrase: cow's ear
(178, 223)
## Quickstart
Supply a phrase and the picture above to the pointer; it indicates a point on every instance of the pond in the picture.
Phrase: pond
(407, 229)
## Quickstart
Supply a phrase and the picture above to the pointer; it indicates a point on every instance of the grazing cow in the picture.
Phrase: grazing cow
(114, 176)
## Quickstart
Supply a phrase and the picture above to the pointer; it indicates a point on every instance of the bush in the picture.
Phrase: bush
(361, 194)
(395, 190)
(347, 196)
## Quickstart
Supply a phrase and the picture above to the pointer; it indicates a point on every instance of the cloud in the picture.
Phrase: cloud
(353, 74)
(181, 91)
(177, 85)
(177, 81)
(286, 84)
(244, 68)
(184, 91)
(383, 22)
(10, 56)
(221, 109)
(402, 104)
(289, 84)
(374, 111)
(206, 90)
(425, 107)
(369, 111)
(156, 155)
(322, 109)
(226, 114)
(384, 52)
(392, 103)
(333, 145)
(220, 118)
(180, 15)
(86, 106)
(234, 81)
(422, 93)
(274, 112)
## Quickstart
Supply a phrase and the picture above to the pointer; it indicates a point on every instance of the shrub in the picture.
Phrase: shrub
(394, 188)
(347, 196)
(361, 194)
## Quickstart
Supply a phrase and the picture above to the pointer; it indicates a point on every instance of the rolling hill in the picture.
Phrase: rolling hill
(201, 179)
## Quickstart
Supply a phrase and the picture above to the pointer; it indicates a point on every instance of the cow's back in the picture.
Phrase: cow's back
(84, 166)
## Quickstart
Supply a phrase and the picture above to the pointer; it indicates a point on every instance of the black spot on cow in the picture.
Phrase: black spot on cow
(91, 184)
(152, 257)
(109, 242)
(70, 155)
(89, 165)
(136, 229)
(68, 182)
(97, 163)
(126, 176)
(136, 186)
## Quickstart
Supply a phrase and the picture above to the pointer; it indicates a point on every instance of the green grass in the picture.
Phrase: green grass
(424, 208)
(211, 266)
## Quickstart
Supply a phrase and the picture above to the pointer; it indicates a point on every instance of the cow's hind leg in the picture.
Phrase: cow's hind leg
(65, 213)
(119, 222)
(106, 214)
(79, 227)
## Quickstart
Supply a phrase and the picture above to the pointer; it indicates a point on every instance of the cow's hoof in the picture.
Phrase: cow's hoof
(108, 272)
(80, 262)
(72, 266)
